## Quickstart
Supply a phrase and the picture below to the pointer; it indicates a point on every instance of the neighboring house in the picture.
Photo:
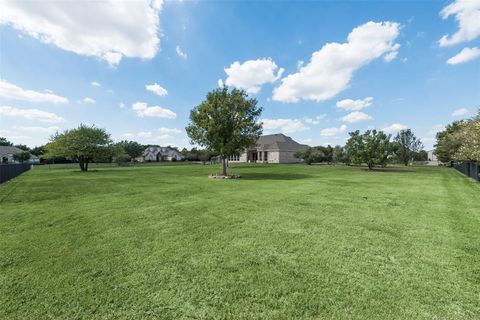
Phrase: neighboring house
(7, 152)
(432, 159)
(157, 154)
(272, 148)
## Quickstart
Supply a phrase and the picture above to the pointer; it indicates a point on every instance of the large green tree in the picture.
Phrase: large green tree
(449, 141)
(406, 146)
(83, 144)
(469, 135)
(372, 147)
(226, 123)
(22, 157)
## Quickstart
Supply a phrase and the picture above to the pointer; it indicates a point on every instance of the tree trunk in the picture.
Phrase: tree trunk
(370, 165)
(82, 165)
(224, 166)
(86, 165)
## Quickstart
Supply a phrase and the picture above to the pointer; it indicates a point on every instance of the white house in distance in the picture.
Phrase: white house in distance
(158, 154)
(432, 159)
(272, 148)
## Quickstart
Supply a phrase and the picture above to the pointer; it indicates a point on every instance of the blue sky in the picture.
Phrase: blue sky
(319, 69)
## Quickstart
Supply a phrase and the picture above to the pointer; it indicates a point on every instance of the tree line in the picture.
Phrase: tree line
(372, 147)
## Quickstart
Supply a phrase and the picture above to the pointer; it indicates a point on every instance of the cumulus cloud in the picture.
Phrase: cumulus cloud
(121, 105)
(460, 112)
(356, 116)
(160, 134)
(87, 100)
(394, 128)
(330, 132)
(284, 125)
(180, 53)
(156, 89)
(252, 74)
(467, 15)
(107, 29)
(436, 128)
(144, 110)
(11, 91)
(354, 105)
(467, 54)
(95, 84)
(314, 120)
(332, 67)
(39, 130)
(30, 114)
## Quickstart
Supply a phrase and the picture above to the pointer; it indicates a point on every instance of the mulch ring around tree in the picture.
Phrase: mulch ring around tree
(219, 176)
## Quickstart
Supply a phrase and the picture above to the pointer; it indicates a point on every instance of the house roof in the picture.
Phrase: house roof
(164, 151)
(280, 142)
(5, 150)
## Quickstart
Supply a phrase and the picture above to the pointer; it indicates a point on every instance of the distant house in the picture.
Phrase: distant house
(7, 152)
(272, 148)
(432, 159)
(158, 154)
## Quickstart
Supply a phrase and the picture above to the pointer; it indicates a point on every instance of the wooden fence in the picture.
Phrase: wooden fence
(10, 171)
(469, 168)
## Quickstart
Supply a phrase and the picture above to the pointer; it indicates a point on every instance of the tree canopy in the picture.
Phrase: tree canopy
(226, 122)
(406, 146)
(23, 156)
(5, 142)
(83, 144)
(132, 148)
(469, 136)
(372, 147)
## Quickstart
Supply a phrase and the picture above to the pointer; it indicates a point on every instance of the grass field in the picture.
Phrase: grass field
(283, 242)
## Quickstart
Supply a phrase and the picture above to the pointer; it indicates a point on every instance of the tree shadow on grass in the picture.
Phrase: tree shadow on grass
(396, 170)
(274, 176)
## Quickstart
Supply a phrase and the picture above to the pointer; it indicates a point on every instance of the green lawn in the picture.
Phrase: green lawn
(283, 242)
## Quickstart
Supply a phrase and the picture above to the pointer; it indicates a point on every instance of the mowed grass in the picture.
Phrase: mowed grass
(283, 242)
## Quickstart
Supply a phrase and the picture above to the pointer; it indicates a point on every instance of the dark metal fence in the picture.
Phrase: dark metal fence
(470, 169)
(10, 171)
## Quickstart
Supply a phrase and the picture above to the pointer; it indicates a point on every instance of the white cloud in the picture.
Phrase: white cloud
(460, 112)
(11, 91)
(220, 83)
(121, 105)
(157, 89)
(157, 135)
(394, 128)
(284, 125)
(252, 74)
(107, 29)
(144, 110)
(329, 132)
(332, 67)
(30, 114)
(87, 100)
(356, 116)
(95, 84)
(467, 14)
(40, 130)
(180, 53)
(467, 54)
(354, 105)
(314, 120)
(436, 128)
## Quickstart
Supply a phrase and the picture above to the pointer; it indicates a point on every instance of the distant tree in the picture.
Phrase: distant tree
(311, 155)
(422, 155)
(372, 147)
(23, 156)
(23, 147)
(449, 141)
(122, 157)
(132, 148)
(406, 145)
(225, 123)
(83, 144)
(5, 142)
(469, 135)
(38, 151)
(339, 155)
(204, 156)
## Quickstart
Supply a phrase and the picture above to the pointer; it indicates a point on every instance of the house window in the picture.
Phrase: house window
(265, 156)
